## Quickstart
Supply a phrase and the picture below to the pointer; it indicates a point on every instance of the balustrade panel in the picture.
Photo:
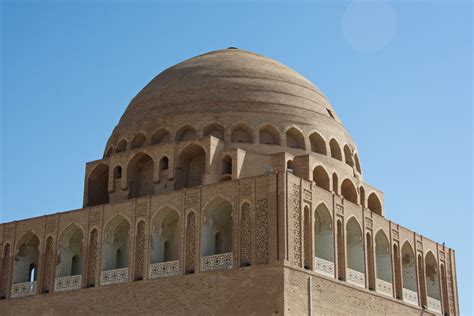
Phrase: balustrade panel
(217, 262)
(434, 305)
(114, 276)
(67, 283)
(163, 269)
(324, 267)
(384, 287)
(410, 296)
(23, 289)
(356, 278)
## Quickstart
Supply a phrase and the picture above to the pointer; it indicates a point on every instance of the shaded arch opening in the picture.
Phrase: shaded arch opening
(109, 152)
(321, 178)
(165, 236)
(186, 133)
(432, 281)
(357, 163)
(318, 145)
(226, 165)
(138, 141)
(191, 167)
(118, 172)
(348, 191)
(97, 187)
(269, 135)
(348, 155)
(335, 149)
(216, 230)
(26, 259)
(335, 183)
(295, 139)
(140, 176)
(373, 203)
(215, 130)
(241, 133)
(122, 146)
(162, 136)
(116, 244)
(70, 252)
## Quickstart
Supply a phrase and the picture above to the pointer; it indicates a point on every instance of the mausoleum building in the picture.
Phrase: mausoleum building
(229, 186)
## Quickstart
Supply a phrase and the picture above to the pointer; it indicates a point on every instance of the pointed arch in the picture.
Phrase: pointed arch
(97, 185)
(269, 135)
(355, 253)
(295, 138)
(321, 177)
(335, 149)
(138, 141)
(116, 243)
(241, 133)
(186, 133)
(26, 258)
(214, 129)
(140, 175)
(318, 144)
(70, 251)
(432, 282)
(348, 155)
(323, 240)
(165, 235)
(226, 165)
(348, 190)
(373, 203)
(216, 230)
(383, 264)
(410, 294)
(190, 167)
(161, 136)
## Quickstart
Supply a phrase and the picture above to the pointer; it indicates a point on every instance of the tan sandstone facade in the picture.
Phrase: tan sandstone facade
(229, 186)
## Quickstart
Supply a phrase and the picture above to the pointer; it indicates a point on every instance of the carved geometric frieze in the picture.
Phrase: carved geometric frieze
(339, 209)
(368, 222)
(307, 195)
(191, 198)
(94, 217)
(141, 209)
(395, 234)
(51, 225)
(419, 245)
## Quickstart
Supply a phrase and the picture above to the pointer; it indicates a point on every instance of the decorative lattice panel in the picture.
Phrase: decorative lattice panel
(6, 271)
(92, 259)
(114, 276)
(164, 269)
(67, 283)
(23, 289)
(217, 262)
(140, 251)
(296, 227)
(384, 287)
(410, 296)
(434, 305)
(355, 277)
(48, 267)
(191, 243)
(261, 232)
(245, 236)
(324, 267)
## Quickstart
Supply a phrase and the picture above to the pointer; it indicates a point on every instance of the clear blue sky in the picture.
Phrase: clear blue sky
(399, 74)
